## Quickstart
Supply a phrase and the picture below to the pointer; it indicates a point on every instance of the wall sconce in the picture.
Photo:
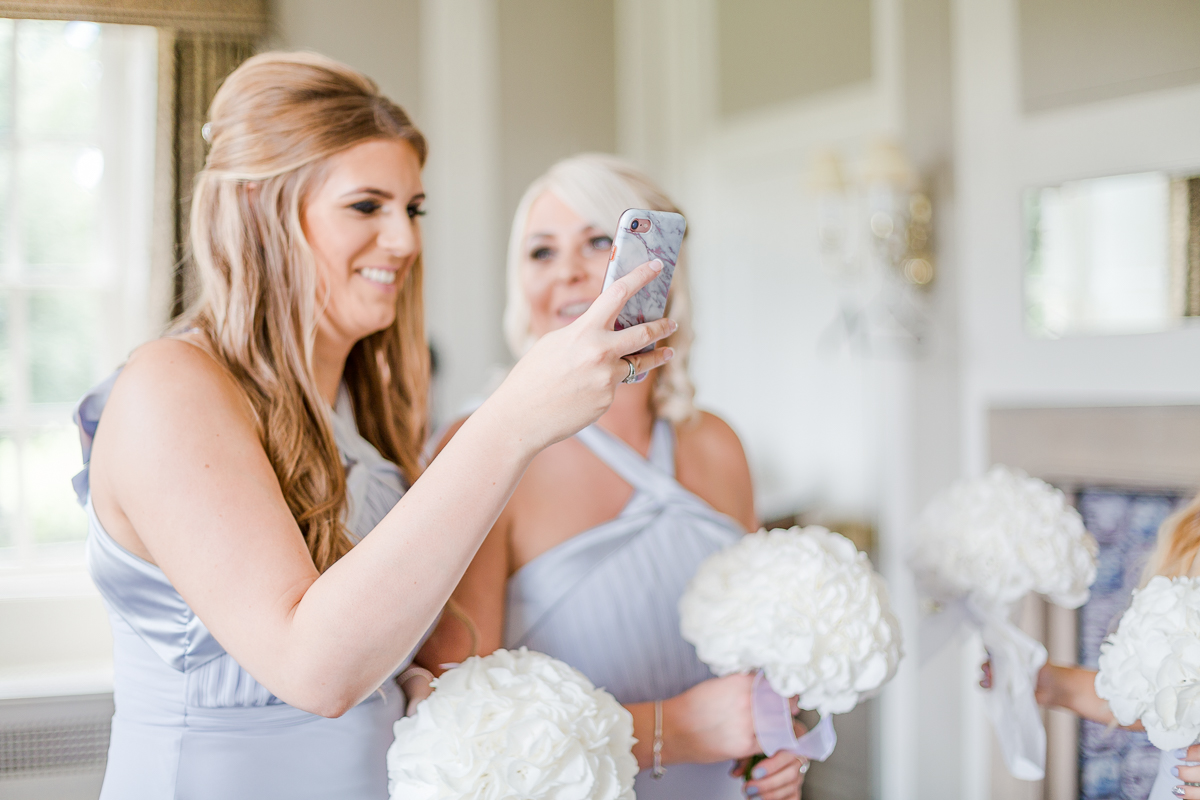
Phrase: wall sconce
(875, 236)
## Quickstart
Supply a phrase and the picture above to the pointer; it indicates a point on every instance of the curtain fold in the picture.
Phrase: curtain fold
(199, 64)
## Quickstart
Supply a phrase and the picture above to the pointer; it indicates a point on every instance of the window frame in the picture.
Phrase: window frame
(127, 133)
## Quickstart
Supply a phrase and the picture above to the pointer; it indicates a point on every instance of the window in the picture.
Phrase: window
(77, 131)
(1112, 255)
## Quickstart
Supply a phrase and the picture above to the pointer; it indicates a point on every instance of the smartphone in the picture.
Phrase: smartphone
(644, 235)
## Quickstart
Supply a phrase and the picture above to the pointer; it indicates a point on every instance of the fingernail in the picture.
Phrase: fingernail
(1175, 771)
(1177, 791)
(751, 791)
(668, 354)
(1179, 754)
(674, 325)
(656, 265)
(757, 773)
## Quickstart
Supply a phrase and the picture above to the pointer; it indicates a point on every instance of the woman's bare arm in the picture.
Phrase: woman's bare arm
(178, 460)
(1071, 688)
(480, 596)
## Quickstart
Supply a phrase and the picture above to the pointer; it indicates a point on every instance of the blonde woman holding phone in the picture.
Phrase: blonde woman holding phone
(590, 556)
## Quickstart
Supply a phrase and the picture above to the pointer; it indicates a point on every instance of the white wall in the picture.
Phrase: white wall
(380, 37)
(1000, 150)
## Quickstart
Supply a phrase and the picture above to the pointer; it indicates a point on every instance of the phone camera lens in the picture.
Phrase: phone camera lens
(634, 226)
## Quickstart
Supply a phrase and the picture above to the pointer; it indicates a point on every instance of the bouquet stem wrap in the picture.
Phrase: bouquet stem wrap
(1016, 660)
(773, 725)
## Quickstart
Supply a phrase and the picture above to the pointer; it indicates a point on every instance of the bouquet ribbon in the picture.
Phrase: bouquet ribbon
(773, 725)
(1016, 659)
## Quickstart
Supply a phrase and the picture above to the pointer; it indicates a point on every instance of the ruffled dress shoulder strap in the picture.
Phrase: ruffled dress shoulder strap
(87, 418)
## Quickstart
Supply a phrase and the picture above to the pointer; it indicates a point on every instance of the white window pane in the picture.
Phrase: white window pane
(59, 210)
(1099, 256)
(52, 456)
(6, 53)
(5, 353)
(9, 491)
(59, 72)
(64, 328)
(5, 197)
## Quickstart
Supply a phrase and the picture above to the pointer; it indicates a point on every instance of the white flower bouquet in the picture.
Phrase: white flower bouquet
(1001, 537)
(514, 725)
(1150, 668)
(806, 608)
(980, 547)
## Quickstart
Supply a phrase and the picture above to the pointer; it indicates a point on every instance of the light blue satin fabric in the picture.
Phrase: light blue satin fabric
(190, 723)
(606, 601)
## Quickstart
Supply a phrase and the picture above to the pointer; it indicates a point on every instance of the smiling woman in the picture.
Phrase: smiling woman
(361, 223)
(257, 528)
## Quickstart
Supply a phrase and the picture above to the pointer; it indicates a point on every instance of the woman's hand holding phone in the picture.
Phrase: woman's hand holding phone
(567, 379)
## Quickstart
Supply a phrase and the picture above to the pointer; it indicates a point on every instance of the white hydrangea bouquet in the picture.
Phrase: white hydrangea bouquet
(514, 725)
(1150, 668)
(804, 607)
(980, 547)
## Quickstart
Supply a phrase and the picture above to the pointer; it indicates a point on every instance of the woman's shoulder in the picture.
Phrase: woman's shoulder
(708, 436)
(710, 462)
(172, 379)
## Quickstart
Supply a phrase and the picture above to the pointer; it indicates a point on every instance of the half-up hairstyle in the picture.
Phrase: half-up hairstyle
(274, 124)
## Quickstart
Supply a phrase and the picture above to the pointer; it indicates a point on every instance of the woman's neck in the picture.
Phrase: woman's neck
(329, 364)
(631, 417)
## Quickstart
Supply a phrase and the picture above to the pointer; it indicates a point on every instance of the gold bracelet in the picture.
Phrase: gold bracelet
(659, 770)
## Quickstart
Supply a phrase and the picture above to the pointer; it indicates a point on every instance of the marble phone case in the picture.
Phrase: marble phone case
(632, 248)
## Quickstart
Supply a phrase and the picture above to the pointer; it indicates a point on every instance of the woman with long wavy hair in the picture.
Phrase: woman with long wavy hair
(260, 527)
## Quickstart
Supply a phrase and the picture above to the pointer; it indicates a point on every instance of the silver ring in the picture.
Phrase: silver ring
(632, 376)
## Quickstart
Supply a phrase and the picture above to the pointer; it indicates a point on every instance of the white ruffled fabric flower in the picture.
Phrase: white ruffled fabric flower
(804, 606)
(1000, 537)
(1150, 668)
(516, 725)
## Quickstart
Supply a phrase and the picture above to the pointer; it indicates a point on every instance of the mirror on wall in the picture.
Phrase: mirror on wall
(1112, 255)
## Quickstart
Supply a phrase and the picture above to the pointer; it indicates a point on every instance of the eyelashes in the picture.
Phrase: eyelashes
(596, 243)
(369, 207)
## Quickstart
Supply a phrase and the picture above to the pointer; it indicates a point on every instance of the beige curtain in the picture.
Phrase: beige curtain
(246, 18)
(1191, 306)
(199, 63)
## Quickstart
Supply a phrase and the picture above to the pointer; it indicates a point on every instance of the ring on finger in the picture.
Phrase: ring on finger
(632, 376)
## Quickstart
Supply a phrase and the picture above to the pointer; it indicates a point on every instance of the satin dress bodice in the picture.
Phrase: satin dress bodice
(190, 722)
(606, 601)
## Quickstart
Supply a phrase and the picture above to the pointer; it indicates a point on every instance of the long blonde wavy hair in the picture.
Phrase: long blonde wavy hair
(599, 188)
(1178, 543)
(274, 124)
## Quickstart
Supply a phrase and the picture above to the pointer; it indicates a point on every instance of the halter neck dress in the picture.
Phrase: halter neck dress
(190, 722)
(606, 601)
